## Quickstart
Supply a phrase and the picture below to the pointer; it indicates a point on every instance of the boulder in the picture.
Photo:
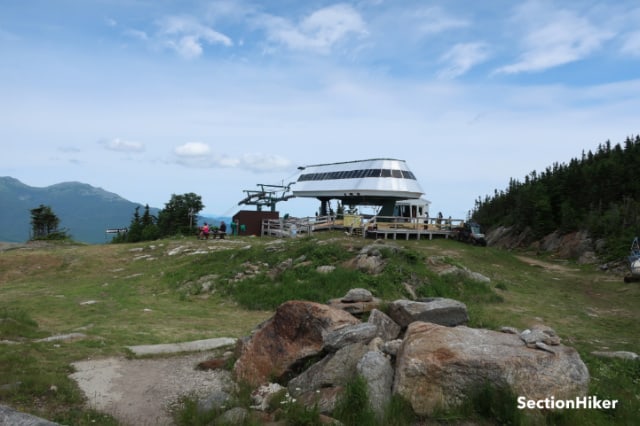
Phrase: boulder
(437, 310)
(333, 370)
(438, 367)
(355, 308)
(325, 399)
(388, 329)
(370, 264)
(362, 332)
(632, 356)
(377, 371)
(217, 399)
(357, 295)
(295, 332)
(370, 259)
(9, 416)
(539, 334)
(391, 347)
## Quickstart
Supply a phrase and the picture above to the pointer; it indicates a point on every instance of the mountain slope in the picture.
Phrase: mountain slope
(84, 211)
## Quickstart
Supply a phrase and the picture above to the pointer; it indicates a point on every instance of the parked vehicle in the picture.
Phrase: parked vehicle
(470, 232)
(634, 262)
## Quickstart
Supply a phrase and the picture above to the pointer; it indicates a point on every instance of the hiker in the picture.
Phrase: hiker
(222, 230)
(204, 232)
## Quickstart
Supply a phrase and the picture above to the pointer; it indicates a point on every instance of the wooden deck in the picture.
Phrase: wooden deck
(407, 233)
(377, 227)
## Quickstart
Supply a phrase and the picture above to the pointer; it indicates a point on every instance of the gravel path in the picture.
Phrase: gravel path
(139, 391)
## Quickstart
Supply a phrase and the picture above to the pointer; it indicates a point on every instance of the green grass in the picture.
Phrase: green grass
(146, 296)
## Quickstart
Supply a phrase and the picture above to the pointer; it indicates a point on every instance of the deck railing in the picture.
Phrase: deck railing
(291, 227)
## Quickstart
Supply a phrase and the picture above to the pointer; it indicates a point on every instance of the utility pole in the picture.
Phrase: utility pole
(191, 217)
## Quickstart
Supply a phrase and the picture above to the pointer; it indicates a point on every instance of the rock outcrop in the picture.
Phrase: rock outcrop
(437, 366)
(316, 351)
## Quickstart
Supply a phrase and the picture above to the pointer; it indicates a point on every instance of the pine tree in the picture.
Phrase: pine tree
(44, 224)
(178, 215)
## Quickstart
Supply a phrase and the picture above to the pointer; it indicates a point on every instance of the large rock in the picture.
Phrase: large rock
(437, 367)
(370, 259)
(295, 332)
(9, 416)
(333, 370)
(357, 295)
(437, 310)
(387, 329)
(348, 335)
(355, 308)
(377, 372)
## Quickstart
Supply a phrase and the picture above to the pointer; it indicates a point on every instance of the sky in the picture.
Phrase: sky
(149, 98)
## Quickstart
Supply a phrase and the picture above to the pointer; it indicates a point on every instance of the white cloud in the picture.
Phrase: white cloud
(186, 36)
(117, 144)
(554, 38)
(461, 58)
(631, 45)
(200, 155)
(193, 149)
(265, 162)
(319, 31)
(433, 20)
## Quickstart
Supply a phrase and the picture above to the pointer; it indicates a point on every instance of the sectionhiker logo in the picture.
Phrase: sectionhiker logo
(579, 403)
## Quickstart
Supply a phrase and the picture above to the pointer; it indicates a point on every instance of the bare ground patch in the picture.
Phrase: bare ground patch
(141, 391)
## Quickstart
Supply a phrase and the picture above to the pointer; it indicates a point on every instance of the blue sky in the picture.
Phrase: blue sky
(148, 98)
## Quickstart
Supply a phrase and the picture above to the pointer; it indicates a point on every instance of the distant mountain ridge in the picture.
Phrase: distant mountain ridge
(84, 210)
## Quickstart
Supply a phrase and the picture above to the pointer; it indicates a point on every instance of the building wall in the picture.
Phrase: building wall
(252, 220)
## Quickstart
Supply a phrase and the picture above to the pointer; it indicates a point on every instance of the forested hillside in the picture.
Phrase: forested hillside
(598, 192)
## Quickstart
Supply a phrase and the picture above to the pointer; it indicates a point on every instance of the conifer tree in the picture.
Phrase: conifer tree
(44, 224)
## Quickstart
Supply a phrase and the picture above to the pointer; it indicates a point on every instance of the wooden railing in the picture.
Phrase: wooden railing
(292, 227)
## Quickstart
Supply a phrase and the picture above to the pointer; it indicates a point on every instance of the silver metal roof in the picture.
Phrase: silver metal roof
(365, 180)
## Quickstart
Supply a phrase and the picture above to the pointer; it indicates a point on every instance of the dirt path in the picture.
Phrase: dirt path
(139, 391)
(546, 265)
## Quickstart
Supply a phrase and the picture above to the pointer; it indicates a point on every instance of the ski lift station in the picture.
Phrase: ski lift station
(384, 182)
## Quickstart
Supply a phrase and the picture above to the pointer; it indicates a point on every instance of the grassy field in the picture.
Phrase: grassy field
(180, 290)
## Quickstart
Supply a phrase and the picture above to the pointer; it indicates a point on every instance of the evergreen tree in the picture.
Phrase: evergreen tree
(44, 224)
(599, 192)
(134, 234)
(150, 230)
(141, 228)
(179, 215)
